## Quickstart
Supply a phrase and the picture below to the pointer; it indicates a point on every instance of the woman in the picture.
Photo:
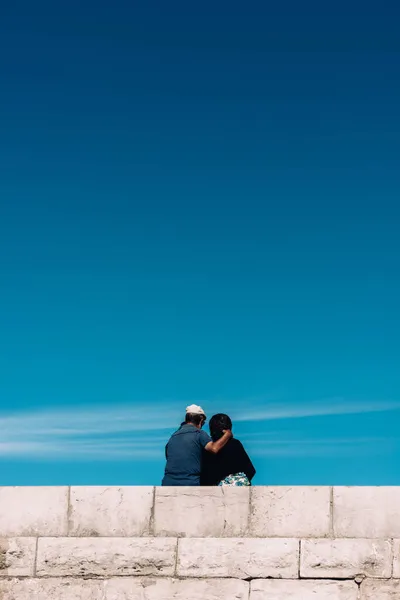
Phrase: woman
(231, 466)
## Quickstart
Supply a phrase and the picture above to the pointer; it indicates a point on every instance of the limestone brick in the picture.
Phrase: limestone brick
(51, 589)
(31, 511)
(125, 588)
(108, 557)
(290, 511)
(240, 558)
(275, 589)
(110, 511)
(201, 512)
(345, 558)
(176, 589)
(17, 557)
(366, 512)
(375, 589)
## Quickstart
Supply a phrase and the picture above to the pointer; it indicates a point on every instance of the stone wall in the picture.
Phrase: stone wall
(142, 543)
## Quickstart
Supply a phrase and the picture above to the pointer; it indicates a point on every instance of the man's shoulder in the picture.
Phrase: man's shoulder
(203, 434)
(203, 438)
(183, 428)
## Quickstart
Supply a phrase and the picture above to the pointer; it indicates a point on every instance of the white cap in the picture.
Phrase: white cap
(195, 410)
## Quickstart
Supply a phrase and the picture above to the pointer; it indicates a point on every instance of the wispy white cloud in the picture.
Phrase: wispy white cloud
(73, 449)
(335, 406)
(318, 447)
(99, 433)
(78, 421)
(122, 432)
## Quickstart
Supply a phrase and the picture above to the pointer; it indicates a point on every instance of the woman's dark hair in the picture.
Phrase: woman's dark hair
(218, 424)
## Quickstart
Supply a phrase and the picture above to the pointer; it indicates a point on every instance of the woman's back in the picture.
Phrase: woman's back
(231, 460)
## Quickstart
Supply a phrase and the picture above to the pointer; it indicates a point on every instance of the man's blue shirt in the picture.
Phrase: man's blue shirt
(184, 454)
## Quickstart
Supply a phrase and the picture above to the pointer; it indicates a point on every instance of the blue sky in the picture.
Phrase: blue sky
(199, 203)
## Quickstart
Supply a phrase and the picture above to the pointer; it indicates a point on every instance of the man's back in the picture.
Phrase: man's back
(184, 456)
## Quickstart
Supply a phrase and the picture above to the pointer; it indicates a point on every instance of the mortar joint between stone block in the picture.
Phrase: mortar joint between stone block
(299, 560)
(36, 557)
(152, 515)
(358, 590)
(392, 556)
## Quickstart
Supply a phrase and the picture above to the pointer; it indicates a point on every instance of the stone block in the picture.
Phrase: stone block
(32, 511)
(275, 589)
(345, 558)
(366, 512)
(239, 558)
(290, 511)
(125, 588)
(108, 557)
(375, 589)
(51, 589)
(201, 512)
(17, 557)
(175, 589)
(110, 511)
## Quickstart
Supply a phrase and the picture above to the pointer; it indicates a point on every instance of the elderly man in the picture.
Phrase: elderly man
(185, 447)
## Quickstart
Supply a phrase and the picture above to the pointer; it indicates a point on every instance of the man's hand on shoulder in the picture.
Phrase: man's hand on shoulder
(215, 447)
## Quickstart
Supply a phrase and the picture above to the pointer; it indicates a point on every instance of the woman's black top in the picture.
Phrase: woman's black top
(232, 459)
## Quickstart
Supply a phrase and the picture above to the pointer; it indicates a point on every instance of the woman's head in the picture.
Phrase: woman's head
(218, 424)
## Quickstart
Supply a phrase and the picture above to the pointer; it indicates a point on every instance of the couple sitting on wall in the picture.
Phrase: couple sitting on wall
(195, 458)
